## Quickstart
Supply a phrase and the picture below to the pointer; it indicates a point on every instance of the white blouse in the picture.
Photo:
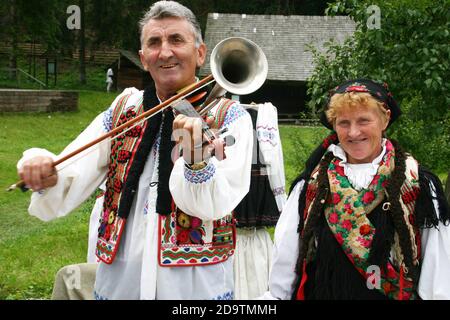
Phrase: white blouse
(434, 282)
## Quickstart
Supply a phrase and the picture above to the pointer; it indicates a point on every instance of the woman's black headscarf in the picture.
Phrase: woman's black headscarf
(379, 91)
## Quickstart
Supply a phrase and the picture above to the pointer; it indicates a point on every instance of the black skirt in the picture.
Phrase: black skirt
(258, 208)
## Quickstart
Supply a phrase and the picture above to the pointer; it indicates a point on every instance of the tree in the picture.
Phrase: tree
(20, 22)
(410, 52)
(82, 48)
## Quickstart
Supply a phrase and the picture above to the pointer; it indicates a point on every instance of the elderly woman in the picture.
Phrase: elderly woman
(364, 220)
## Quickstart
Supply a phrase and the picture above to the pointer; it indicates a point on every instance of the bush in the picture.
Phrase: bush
(410, 52)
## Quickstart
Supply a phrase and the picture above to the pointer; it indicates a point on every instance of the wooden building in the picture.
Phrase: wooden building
(285, 41)
(129, 72)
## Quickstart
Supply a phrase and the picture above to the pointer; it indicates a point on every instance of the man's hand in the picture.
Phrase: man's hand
(38, 173)
(188, 132)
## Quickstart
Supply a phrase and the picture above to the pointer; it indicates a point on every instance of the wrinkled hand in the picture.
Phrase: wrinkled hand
(188, 132)
(38, 173)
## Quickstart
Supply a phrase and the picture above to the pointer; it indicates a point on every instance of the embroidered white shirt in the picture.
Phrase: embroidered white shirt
(135, 272)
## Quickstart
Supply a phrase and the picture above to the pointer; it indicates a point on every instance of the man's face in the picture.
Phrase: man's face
(168, 52)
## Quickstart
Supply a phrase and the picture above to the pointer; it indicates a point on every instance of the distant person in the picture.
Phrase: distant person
(109, 79)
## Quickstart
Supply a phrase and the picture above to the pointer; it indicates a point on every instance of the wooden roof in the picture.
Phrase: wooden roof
(283, 39)
(133, 57)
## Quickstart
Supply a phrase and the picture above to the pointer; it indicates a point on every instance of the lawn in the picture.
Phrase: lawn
(31, 251)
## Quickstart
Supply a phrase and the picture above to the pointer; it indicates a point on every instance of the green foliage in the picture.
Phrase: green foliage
(19, 19)
(410, 52)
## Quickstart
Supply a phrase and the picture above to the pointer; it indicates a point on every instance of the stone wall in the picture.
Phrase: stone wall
(15, 100)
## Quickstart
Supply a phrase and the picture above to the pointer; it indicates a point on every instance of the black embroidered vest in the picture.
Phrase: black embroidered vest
(182, 238)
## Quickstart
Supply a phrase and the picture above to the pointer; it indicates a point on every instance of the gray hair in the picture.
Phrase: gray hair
(171, 9)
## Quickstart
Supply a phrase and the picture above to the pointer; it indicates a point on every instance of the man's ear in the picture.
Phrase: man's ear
(142, 57)
(201, 55)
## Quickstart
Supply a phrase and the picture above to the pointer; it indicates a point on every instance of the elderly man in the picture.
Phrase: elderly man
(165, 230)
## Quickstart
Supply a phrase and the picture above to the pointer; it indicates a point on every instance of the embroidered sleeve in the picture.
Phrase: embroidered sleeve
(107, 119)
(214, 191)
(202, 175)
(233, 114)
(267, 134)
(279, 191)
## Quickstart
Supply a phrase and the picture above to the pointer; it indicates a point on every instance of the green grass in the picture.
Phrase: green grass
(31, 251)
(298, 143)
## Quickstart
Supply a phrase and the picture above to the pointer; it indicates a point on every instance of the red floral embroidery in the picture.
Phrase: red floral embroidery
(107, 232)
(183, 236)
(364, 242)
(340, 170)
(347, 224)
(117, 186)
(334, 218)
(336, 198)
(375, 180)
(348, 208)
(106, 215)
(410, 196)
(368, 197)
(115, 148)
(134, 132)
(329, 140)
(123, 156)
(108, 196)
(356, 88)
(364, 229)
(130, 113)
(339, 238)
(196, 222)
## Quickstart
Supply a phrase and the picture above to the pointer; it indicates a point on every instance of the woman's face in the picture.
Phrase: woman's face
(360, 131)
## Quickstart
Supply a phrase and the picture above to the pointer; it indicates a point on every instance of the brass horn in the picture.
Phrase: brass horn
(238, 66)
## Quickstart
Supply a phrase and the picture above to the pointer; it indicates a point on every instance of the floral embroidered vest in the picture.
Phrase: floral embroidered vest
(183, 240)
(354, 232)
